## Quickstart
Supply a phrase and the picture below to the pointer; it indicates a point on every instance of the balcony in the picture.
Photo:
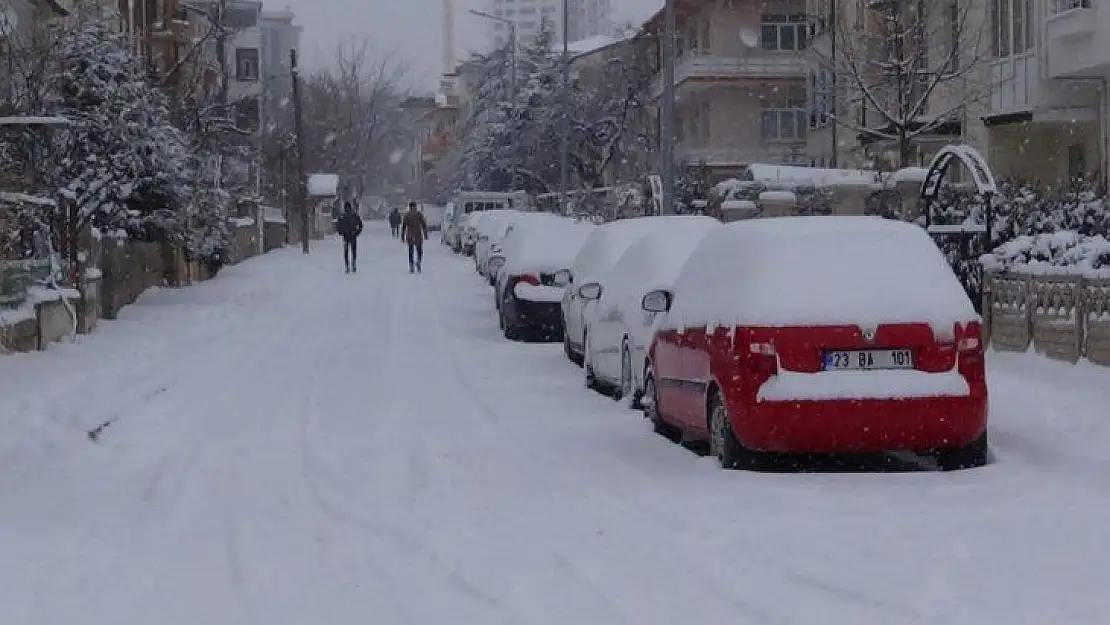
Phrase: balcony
(1074, 50)
(753, 65)
(716, 156)
(1017, 87)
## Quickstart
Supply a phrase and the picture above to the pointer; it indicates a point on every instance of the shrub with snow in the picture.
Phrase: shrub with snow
(1064, 252)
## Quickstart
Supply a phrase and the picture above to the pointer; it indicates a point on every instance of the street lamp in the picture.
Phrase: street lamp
(512, 81)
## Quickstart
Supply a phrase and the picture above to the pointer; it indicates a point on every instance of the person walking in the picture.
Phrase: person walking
(349, 226)
(414, 229)
(395, 222)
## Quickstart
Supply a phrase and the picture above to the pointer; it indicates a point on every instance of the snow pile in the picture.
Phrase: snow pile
(608, 242)
(891, 384)
(804, 271)
(654, 261)
(544, 243)
(794, 176)
(1064, 252)
(323, 185)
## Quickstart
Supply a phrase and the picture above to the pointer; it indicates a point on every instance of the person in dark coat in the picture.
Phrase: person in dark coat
(414, 229)
(349, 227)
(395, 222)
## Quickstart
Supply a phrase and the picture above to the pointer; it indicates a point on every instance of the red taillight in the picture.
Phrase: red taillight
(763, 359)
(529, 279)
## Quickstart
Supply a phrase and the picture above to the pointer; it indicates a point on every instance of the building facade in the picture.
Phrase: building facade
(1047, 116)
(740, 84)
(280, 36)
(587, 19)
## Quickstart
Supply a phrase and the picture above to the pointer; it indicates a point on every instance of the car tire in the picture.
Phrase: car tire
(730, 452)
(624, 388)
(651, 411)
(974, 454)
(587, 366)
(571, 356)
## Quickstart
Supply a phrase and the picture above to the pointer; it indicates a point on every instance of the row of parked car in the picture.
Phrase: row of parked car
(810, 335)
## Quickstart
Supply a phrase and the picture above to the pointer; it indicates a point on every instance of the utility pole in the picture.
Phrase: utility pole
(564, 150)
(516, 114)
(668, 121)
(298, 121)
(833, 163)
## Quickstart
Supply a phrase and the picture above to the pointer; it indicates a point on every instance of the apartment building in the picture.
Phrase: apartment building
(1048, 113)
(922, 65)
(740, 83)
(280, 35)
(587, 18)
(20, 35)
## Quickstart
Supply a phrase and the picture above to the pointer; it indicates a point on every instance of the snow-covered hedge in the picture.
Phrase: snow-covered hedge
(1065, 252)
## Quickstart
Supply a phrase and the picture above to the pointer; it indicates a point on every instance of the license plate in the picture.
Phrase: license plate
(862, 360)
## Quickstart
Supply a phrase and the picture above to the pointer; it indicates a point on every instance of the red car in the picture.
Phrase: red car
(819, 335)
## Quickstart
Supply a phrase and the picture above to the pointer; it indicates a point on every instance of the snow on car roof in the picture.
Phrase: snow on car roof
(545, 243)
(609, 241)
(801, 271)
(654, 261)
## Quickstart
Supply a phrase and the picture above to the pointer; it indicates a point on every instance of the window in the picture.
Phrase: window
(783, 32)
(783, 118)
(1066, 5)
(1012, 27)
(246, 64)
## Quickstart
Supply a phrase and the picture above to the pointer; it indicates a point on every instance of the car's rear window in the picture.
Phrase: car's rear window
(805, 271)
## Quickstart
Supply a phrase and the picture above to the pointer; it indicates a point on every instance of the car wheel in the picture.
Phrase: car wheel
(651, 411)
(587, 366)
(625, 387)
(974, 454)
(730, 453)
(571, 356)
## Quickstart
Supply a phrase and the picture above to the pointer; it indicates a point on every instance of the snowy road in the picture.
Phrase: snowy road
(291, 445)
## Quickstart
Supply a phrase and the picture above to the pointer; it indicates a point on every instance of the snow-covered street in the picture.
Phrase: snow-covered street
(290, 445)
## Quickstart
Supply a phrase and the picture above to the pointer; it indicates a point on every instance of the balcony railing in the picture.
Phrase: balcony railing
(715, 156)
(754, 64)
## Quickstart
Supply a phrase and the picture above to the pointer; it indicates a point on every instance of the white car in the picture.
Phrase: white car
(618, 330)
(604, 247)
(527, 291)
(493, 230)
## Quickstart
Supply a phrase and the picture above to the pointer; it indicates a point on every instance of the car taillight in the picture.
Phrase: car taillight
(968, 344)
(763, 359)
(529, 279)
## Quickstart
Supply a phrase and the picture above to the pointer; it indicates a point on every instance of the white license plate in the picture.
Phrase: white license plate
(862, 360)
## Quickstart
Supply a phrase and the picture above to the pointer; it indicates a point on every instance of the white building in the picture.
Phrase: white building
(587, 18)
(279, 37)
(1047, 117)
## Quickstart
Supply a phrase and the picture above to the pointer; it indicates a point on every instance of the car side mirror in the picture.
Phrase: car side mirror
(590, 290)
(656, 301)
(563, 278)
(495, 263)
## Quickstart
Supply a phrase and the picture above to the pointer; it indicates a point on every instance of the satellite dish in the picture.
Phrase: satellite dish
(749, 37)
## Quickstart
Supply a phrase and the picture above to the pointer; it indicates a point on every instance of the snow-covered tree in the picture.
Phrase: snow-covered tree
(352, 121)
(607, 114)
(903, 68)
(122, 158)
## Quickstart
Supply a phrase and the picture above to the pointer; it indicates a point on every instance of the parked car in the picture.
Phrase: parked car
(527, 290)
(617, 329)
(819, 335)
(447, 230)
(597, 255)
(489, 239)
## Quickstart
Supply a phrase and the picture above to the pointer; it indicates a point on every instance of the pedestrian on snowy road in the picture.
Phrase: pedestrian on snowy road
(349, 227)
(395, 222)
(414, 229)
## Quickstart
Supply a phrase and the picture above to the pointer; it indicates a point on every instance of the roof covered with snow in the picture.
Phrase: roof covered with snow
(806, 271)
(590, 45)
(323, 185)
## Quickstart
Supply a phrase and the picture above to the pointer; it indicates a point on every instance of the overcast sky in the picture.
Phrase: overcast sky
(408, 29)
